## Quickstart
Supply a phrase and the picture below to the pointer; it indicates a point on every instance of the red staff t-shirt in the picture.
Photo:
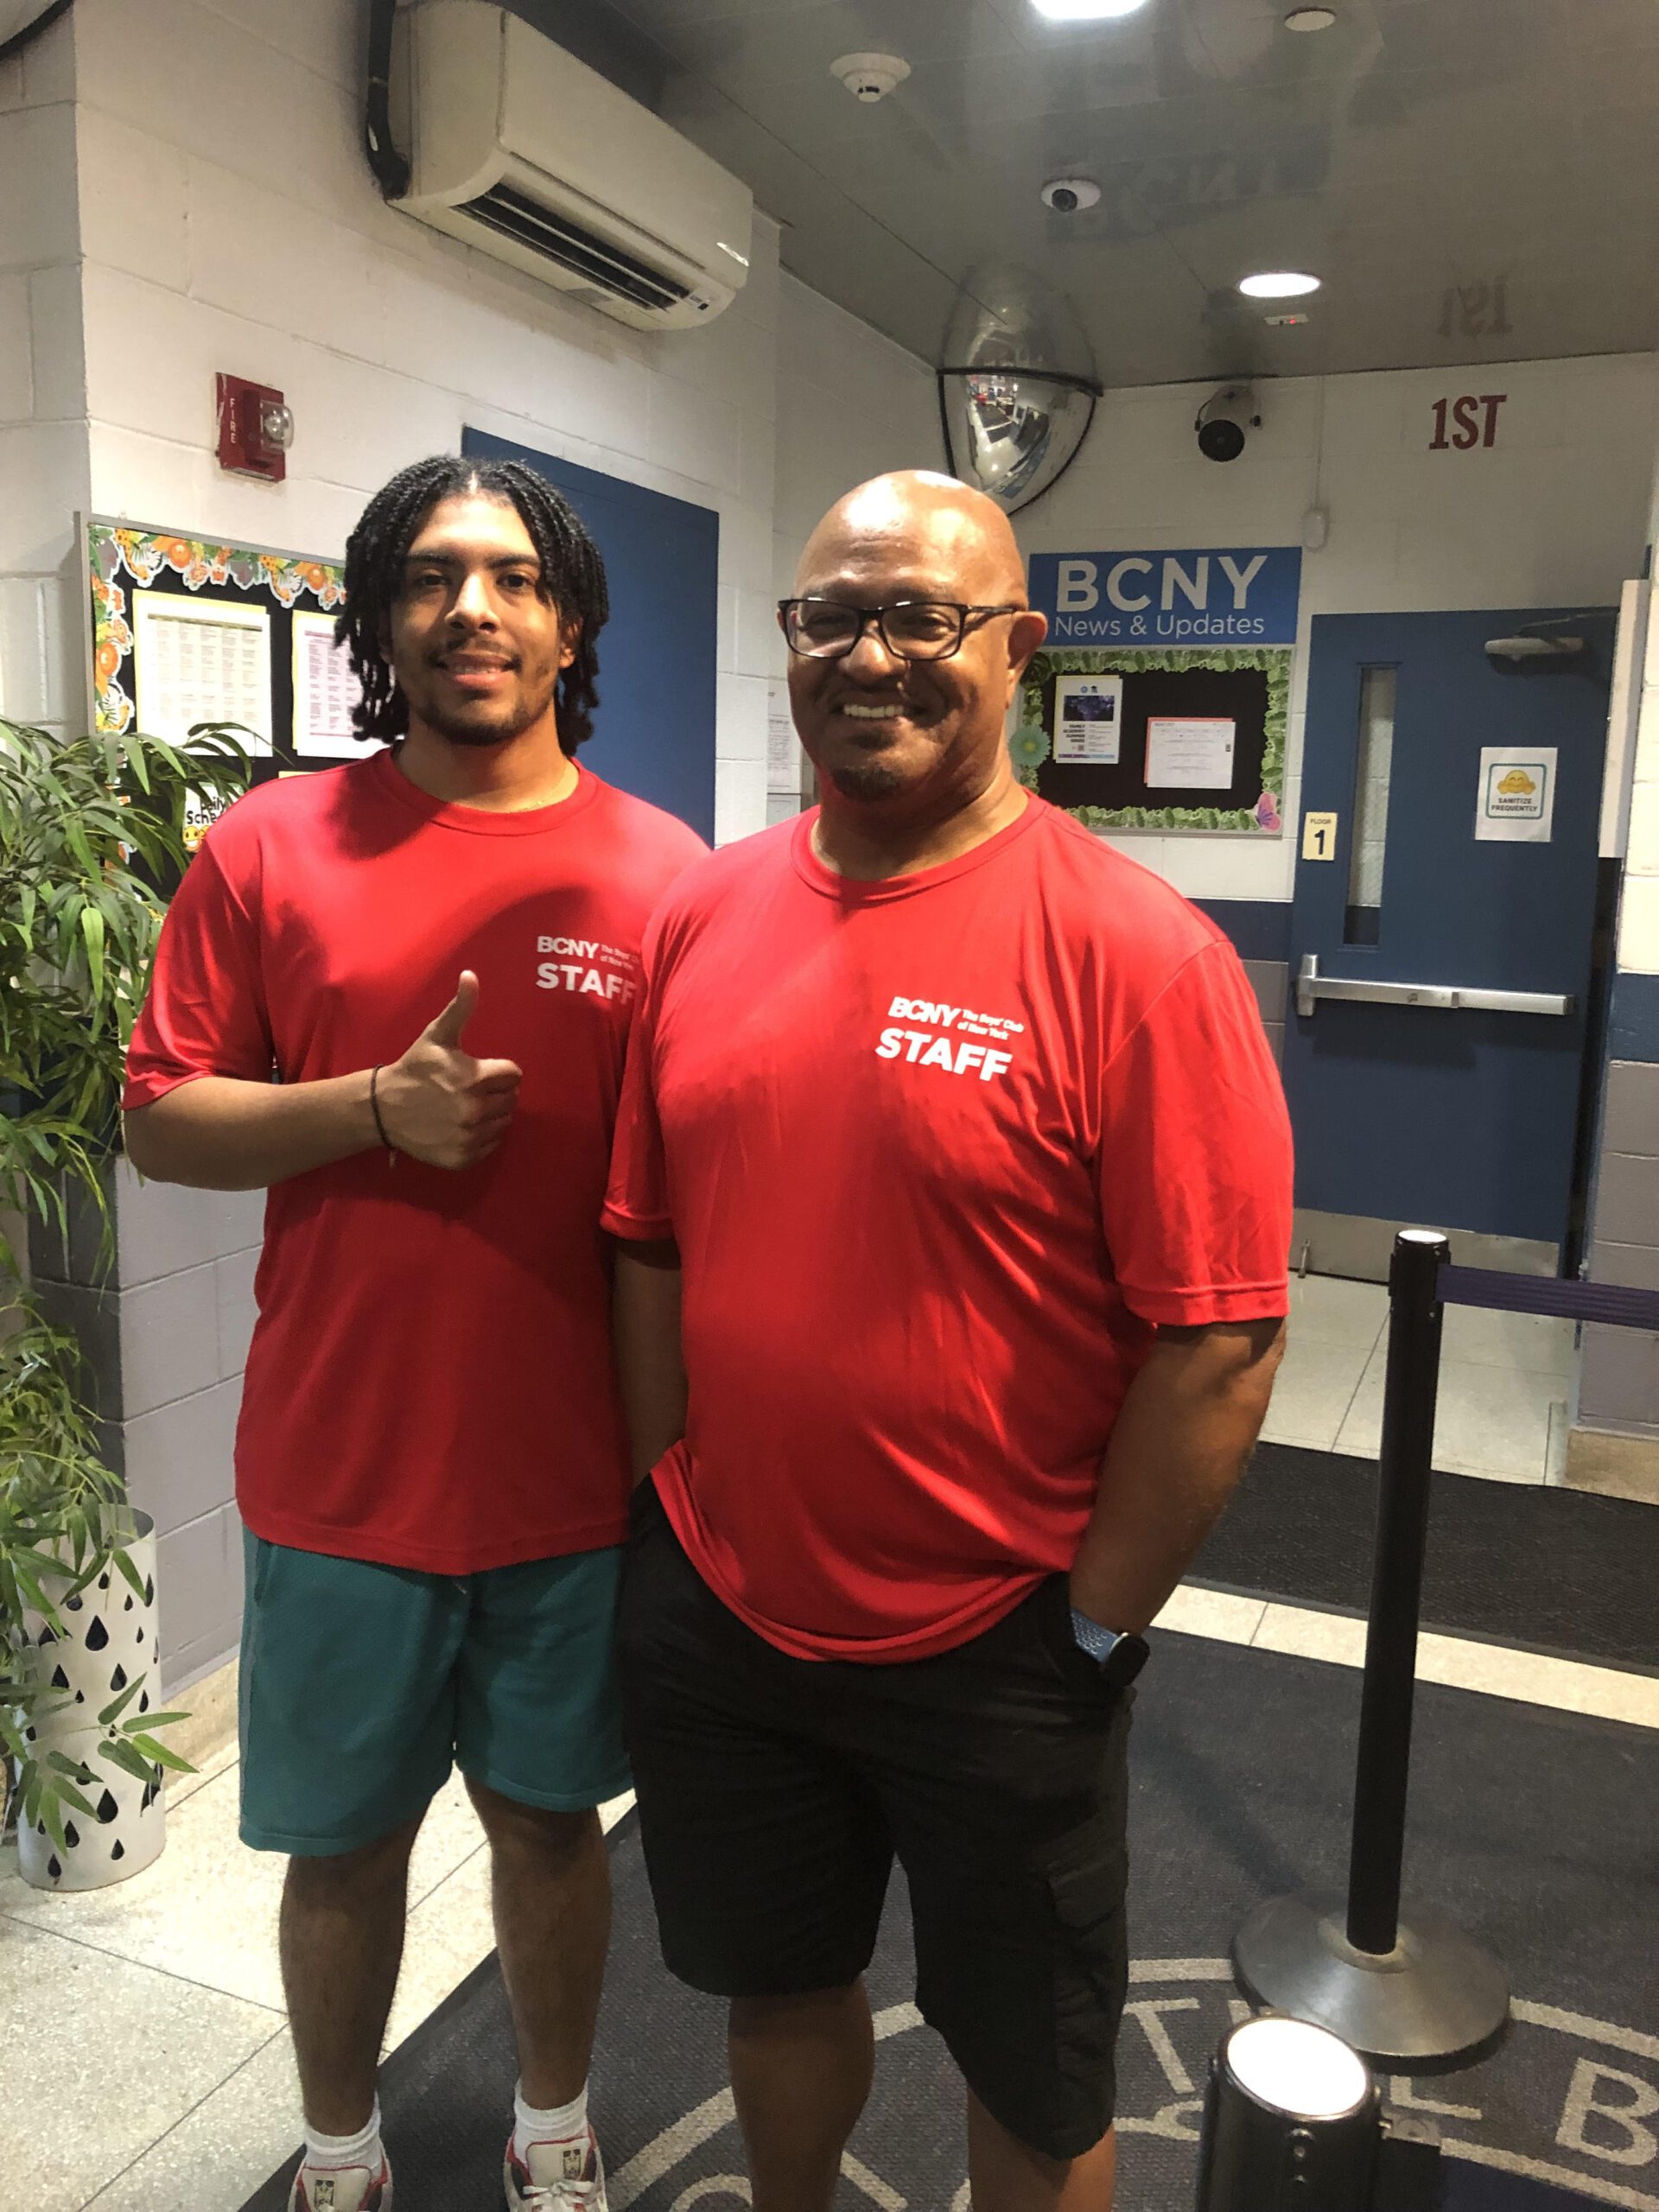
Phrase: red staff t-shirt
(430, 1383)
(940, 1154)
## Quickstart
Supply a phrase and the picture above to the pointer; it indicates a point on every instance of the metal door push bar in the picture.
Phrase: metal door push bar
(1312, 986)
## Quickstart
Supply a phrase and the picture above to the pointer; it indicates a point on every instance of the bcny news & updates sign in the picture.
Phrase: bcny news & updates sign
(1245, 596)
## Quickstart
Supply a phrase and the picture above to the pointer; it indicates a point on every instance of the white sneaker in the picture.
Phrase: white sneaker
(342, 2189)
(566, 2176)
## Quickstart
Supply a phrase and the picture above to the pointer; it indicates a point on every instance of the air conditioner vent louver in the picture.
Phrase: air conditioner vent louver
(525, 154)
(558, 240)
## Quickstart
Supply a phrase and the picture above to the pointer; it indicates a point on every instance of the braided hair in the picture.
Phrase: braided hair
(573, 578)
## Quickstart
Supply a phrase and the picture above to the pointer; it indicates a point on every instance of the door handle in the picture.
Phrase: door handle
(1312, 986)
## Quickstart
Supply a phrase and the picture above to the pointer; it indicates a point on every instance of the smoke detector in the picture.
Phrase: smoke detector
(870, 77)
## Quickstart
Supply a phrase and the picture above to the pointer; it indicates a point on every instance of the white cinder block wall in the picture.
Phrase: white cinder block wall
(43, 467)
(185, 192)
(1555, 512)
(42, 393)
(230, 222)
(850, 405)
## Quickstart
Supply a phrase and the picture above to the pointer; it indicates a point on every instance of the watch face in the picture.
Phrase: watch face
(1124, 1661)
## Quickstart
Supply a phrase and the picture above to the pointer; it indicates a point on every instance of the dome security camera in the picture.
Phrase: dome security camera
(1066, 195)
(1222, 421)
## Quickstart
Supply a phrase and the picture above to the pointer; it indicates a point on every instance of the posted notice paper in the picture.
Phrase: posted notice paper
(201, 660)
(325, 691)
(783, 746)
(1088, 720)
(1190, 752)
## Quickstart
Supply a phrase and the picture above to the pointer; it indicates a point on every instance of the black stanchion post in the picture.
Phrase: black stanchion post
(1383, 1764)
(1415, 1991)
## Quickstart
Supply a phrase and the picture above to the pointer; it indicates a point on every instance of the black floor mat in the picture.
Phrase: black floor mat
(1553, 1570)
(1531, 1828)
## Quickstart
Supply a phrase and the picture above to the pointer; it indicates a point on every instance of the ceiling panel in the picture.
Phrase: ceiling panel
(750, 54)
(1504, 147)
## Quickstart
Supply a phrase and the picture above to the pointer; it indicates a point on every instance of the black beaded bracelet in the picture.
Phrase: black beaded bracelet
(374, 1108)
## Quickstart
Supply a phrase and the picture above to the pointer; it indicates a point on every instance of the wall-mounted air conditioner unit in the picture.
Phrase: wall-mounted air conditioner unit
(525, 152)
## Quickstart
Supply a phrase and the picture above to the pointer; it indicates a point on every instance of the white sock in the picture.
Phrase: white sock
(557, 2125)
(362, 2149)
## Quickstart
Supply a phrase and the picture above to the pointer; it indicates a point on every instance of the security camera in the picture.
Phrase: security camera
(1223, 420)
(1066, 195)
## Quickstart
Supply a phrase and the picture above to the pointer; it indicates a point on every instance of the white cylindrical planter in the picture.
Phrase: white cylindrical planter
(108, 1641)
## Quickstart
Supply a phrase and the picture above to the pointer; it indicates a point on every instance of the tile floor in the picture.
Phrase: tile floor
(168, 1987)
(146, 2067)
(1506, 1382)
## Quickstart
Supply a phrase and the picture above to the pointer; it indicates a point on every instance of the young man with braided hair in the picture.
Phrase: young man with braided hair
(435, 952)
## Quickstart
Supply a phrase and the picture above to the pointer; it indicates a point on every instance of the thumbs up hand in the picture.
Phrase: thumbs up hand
(440, 1104)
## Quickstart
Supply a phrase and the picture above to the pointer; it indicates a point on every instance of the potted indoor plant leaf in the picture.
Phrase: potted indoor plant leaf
(92, 831)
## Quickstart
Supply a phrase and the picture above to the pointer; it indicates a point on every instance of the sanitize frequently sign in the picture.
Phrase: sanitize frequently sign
(1244, 595)
(1517, 803)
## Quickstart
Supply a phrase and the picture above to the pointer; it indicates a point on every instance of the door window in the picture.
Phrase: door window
(1373, 758)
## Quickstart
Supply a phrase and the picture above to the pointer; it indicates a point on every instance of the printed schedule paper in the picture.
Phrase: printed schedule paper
(325, 691)
(201, 660)
(783, 746)
(1190, 752)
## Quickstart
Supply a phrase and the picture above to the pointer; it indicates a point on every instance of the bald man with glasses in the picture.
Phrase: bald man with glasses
(951, 1195)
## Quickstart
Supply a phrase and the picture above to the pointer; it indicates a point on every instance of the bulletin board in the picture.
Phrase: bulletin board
(186, 630)
(1190, 739)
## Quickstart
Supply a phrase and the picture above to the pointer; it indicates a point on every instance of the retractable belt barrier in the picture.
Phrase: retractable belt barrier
(1567, 1302)
(1417, 1991)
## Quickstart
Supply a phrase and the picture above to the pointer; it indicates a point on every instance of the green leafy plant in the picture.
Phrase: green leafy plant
(92, 829)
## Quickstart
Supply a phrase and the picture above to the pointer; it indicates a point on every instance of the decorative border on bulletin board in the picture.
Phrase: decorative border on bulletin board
(145, 556)
(1030, 745)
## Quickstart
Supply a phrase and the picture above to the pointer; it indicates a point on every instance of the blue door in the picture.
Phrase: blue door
(654, 732)
(1414, 1101)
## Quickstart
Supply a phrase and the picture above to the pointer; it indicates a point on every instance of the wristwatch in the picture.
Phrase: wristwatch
(1119, 1656)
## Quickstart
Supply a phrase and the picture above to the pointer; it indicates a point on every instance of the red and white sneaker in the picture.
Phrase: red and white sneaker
(342, 2189)
(564, 2177)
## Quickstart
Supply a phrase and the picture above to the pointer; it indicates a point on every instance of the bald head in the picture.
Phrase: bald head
(915, 515)
(917, 561)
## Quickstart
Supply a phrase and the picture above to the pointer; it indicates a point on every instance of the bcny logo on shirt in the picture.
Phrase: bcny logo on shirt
(929, 1048)
(587, 964)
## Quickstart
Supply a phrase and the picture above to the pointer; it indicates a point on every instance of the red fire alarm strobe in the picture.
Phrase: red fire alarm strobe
(255, 428)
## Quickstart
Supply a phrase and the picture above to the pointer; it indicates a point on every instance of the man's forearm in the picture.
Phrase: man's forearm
(1177, 1451)
(221, 1133)
(650, 1372)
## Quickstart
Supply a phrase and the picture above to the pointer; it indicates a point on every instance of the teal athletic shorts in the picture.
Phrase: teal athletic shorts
(361, 1685)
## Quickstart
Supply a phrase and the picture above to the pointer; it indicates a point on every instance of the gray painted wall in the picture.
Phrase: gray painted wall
(166, 1332)
(1271, 981)
(1619, 1382)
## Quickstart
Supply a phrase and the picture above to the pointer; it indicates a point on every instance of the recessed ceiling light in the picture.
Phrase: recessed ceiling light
(1310, 19)
(1084, 11)
(1278, 284)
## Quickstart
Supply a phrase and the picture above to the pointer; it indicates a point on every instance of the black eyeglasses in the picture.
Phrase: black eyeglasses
(911, 629)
